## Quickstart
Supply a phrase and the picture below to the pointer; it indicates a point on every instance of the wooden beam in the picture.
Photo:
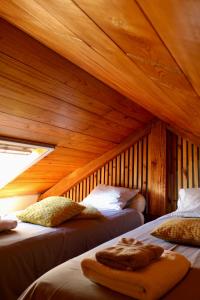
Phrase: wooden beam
(67, 182)
(157, 169)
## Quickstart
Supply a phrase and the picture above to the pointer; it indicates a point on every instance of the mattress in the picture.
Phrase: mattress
(31, 250)
(66, 281)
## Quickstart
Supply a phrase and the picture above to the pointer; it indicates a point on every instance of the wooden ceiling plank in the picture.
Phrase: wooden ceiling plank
(76, 80)
(81, 173)
(97, 53)
(16, 78)
(178, 25)
(23, 128)
(128, 27)
(29, 95)
(113, 55)
(132, 32)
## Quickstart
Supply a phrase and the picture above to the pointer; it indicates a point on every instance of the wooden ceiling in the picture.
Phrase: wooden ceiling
(149, 51)
(45, 98)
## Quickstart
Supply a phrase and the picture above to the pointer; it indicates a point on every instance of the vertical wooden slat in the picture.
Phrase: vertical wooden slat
(144, 167)
(179, 152)
(185, 167)
(174, 182)
(84, 188)
(88, 185)
(190, 165)
(118, 170)
(74, 193)
(131, 167)
(99, 176)
(195, 157)
(140, 164)
(95, 179)
(81, 190)
(70, 194)
(103, 175)
(110, 174)
(136, 165)
(91, 182)
(77, 193)
(122, 169)
(126, 171)
(106, 174)
(114, 172)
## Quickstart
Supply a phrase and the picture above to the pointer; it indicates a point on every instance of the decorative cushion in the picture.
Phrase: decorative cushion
(89, 212)
(109, 197)
(138, 203)
(188, 203)
(50, 211)
(180, 231)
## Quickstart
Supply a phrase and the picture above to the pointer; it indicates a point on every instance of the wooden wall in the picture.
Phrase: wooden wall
(129, 169)
(183, 166)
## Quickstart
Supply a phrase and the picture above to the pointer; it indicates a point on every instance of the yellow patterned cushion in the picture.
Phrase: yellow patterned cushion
(180, 231)
(51, 211)
(89, 212)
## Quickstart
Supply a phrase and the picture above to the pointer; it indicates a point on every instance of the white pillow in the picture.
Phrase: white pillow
(188, 203)
(138, 202)
(109, 197)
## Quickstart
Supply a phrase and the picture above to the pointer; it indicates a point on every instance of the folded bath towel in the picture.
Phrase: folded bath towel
(7, 224)
(146, 283)
(129, 254)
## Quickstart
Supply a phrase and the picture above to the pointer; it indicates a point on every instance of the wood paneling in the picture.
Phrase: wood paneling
(157, 169)
(178, 24)
(102, 167)
(45, 98)
(107, 172)
(136, 49)
(183, 158)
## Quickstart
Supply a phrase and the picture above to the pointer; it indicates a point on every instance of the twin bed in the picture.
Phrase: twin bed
(67, 281)
(31, 250)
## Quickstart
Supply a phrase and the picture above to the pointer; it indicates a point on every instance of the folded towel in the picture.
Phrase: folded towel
(146, 283)
(129, 254)
(7, 224)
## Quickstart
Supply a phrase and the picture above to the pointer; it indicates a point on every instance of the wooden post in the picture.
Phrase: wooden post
(157, 169)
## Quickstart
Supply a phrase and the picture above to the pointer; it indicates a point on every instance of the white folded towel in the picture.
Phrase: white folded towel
(7, 224)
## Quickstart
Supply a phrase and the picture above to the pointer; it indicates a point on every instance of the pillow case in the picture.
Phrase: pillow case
(188, 203)
(89, 212)
(109, 197)
(50, 211)
(138, 203)
(180, 231)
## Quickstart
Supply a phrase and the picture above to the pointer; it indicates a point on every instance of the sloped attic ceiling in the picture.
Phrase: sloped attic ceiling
(147, 50)
(45, 98)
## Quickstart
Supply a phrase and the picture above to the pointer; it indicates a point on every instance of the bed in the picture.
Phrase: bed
(66, 281)
(31, 250)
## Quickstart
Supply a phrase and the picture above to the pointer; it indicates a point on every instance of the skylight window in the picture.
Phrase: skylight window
(17, 157)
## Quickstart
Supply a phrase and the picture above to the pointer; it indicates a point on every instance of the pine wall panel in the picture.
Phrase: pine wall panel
(128, 169)
(183, 161)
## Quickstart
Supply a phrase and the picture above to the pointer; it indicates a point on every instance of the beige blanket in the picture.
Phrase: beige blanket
(146, 283)
(129, 254)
